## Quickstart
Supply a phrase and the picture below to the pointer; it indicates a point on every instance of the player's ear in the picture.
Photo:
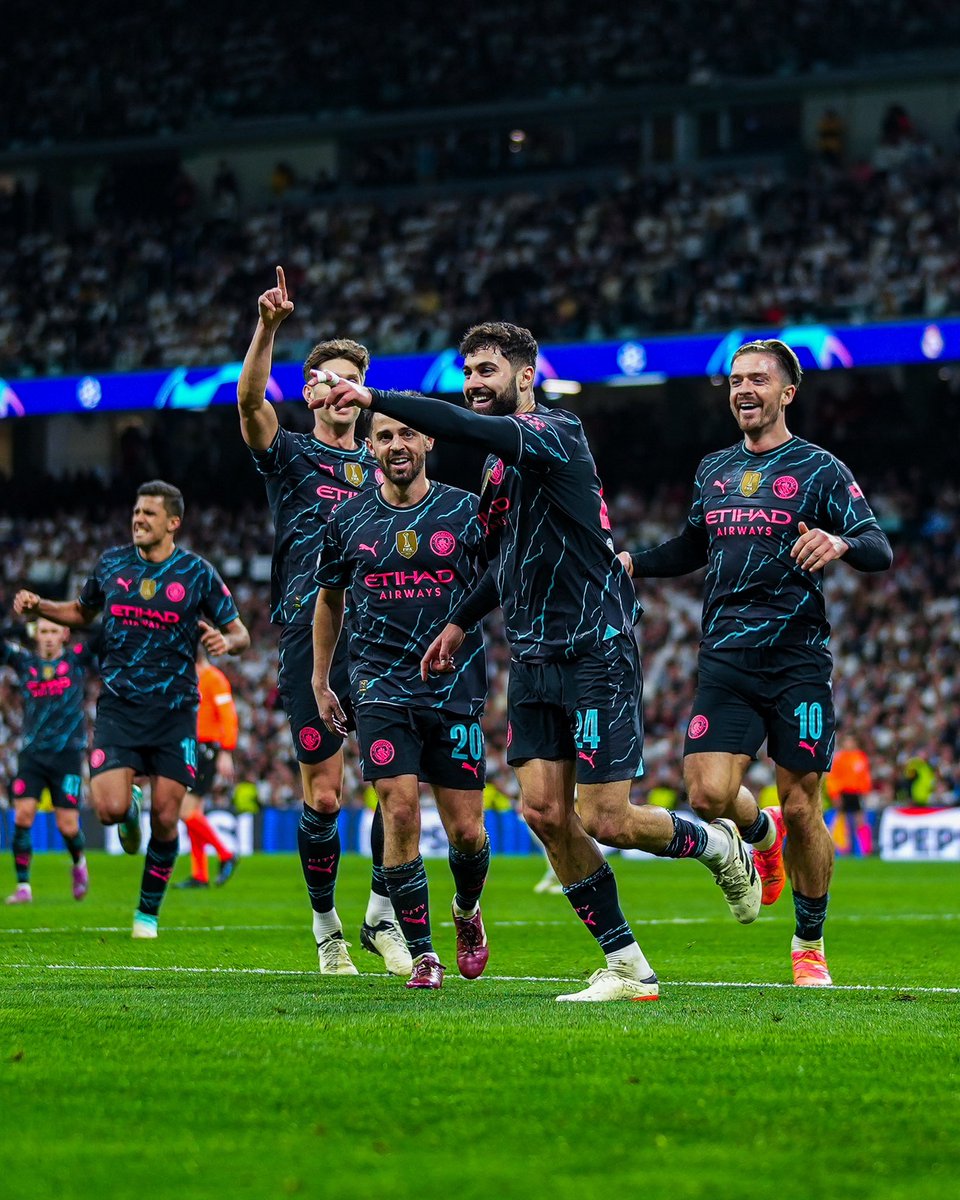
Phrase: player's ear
(428, 444)
(525, 378)
(788, 394)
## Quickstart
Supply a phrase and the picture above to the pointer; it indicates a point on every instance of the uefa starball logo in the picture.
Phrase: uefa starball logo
(443, 543)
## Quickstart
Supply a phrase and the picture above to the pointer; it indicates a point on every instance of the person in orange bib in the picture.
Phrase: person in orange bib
(217, 727)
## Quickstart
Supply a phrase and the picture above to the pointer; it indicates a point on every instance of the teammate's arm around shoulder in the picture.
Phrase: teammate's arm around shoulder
(258, 418)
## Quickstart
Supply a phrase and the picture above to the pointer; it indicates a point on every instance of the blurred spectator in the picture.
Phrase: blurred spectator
(831, 137)
(849, 785)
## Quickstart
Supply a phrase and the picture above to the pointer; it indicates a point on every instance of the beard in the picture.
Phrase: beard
(501, 404)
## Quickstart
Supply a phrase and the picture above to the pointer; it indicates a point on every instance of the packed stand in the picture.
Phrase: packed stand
(652, 254)
(217, 63)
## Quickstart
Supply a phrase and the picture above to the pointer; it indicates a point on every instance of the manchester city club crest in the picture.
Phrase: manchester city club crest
(407, 542)
(750, 482)
(148, 588)
(355, 474)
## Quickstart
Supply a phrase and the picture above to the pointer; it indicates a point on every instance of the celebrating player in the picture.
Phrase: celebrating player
(767, 516)
(217, 728)
(54, 739)
(306, 476)
(155, 598)
(405, 554)
(569, 611)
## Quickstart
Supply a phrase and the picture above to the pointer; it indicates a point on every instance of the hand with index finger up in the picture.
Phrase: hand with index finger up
(274, 305)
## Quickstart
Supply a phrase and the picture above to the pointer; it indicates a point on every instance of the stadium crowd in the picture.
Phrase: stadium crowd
(896, 680)
(218, 62)
(657, 253)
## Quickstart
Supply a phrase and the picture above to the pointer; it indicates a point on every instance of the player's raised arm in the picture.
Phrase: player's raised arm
(63, 612)
(258, 418)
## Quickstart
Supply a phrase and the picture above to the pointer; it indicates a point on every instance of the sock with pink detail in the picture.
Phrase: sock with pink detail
(811, 913)
(411, 903)
(22, 853)
(161, 857)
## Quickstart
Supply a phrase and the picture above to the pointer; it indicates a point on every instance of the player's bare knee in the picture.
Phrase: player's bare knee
(468, 835)
(706, 804)
(546, 819)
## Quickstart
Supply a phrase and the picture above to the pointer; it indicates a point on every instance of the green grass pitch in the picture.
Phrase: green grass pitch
(215, 1062)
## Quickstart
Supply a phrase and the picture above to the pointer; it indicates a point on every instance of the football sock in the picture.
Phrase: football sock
(208, 835)
(689, 840)
(378, 885)
(630, 960)
(469, 872)
(761, 833)
(75, 845)
(811, 913)
(318, 840)
(408, 891)
(326, 924)
(198, 859)
(157, 870)
(22, 853)
(595, 902)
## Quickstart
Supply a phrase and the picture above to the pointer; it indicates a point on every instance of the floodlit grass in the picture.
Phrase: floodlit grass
(215, 1062)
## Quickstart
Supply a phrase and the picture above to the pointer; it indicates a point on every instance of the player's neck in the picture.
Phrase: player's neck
(527, 403)
(405, 496)
(157, 553)
(769, 439)
(340, 437)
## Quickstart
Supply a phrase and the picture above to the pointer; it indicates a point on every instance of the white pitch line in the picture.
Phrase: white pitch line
(637, 921)
(668, 983)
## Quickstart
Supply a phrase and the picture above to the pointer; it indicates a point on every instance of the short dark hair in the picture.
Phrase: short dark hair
(337, 348)
(789, 363)
(517, 345)
(171, 496)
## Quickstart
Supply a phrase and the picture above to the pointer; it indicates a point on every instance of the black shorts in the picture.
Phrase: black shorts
(588, 710)
(851, 802)
(312, 741)
(150, 740)
(206, 768)
(441, 748)
(781, 693)
(57, 770)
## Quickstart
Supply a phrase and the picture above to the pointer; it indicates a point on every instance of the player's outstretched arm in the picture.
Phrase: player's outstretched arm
(258, 418)
(327, 624)
(231, 639)
(64, 612)
(436, 418)
(677, 556)
(867, 551)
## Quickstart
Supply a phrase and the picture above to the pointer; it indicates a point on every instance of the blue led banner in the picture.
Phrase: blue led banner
(820, 347)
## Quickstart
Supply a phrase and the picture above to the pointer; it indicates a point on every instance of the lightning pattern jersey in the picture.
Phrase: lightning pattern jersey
(747, 508)
(404, 570)
(305, 481)
(150, 622)
(547, 534)
(52, 693)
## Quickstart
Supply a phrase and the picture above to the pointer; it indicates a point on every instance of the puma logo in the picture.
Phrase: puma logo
(124, 583)
(470, 767)
(807, 746)
(372, 549)
(588, 758)
(721, 485)
(325, 467)
(587, 915)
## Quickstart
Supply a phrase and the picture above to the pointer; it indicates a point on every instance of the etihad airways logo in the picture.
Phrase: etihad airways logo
(133, 614)
(755, 521)
(409, 585)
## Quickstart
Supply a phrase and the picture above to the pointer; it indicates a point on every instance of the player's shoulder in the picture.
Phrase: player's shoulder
(454, 496)
(716, 458)
(541, 418)
(117, 555)
(812, 454)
